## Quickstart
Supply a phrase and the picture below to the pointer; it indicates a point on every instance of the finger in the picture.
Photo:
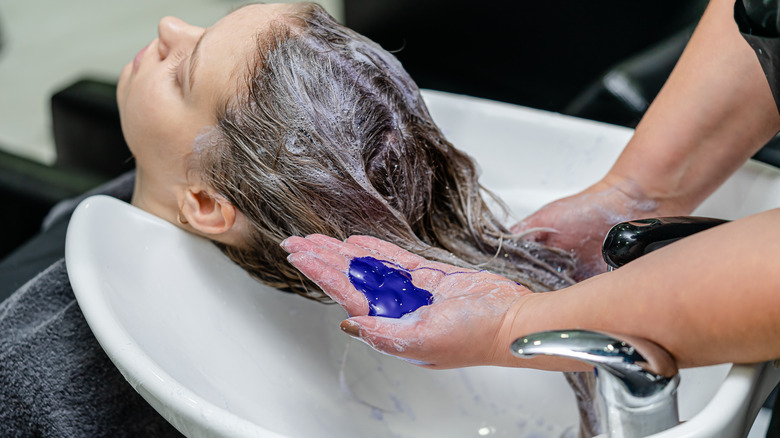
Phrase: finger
(379, 250)
(528, 229)
(387, 250)
(332, 280)
(397, 337)
(327, 251)
(409, 261)
(348, 248)
(293, 243)
(425, 274)
(330, 250)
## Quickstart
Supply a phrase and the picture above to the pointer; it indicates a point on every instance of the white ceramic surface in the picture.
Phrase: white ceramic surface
(218, 354)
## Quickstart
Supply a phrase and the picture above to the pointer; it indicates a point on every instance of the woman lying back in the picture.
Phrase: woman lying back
(278, 121)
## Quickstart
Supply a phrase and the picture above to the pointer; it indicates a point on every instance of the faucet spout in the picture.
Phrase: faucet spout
(637, 379)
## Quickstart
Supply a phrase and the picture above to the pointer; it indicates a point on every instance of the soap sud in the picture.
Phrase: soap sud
(293, 146)
(206, 138)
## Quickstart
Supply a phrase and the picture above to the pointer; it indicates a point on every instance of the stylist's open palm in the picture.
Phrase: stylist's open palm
(460, 328)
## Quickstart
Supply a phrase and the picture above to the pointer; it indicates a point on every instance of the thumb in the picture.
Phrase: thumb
(532, 228)
(388, 335)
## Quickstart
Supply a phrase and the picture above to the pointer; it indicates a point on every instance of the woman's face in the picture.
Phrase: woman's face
(172, 90)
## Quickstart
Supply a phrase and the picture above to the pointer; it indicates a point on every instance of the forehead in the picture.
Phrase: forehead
(229, 47)
(254, 15)
(243, 26)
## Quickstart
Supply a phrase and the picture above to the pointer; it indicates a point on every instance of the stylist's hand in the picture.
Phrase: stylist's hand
(462, 327)
(580, 222)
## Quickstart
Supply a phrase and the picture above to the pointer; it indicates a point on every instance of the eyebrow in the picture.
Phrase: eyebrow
(194, 59)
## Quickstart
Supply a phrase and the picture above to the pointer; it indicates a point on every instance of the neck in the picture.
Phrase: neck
(154, 199)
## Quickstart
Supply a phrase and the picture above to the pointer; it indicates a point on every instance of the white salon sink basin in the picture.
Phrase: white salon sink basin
(218, 354)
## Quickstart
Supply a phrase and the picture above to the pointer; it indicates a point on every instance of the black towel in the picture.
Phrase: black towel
(55, 379)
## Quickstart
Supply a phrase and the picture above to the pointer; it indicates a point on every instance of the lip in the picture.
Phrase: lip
(138, 56)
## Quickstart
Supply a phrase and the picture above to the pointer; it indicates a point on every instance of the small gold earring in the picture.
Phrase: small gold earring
(180, 219)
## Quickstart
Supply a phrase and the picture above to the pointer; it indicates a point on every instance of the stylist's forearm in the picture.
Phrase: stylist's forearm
(710, 298)
(715, 111)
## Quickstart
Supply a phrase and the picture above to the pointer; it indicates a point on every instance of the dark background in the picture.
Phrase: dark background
(551, 54)
(534, 53)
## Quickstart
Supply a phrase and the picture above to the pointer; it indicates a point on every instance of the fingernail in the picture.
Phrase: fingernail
(351, 328)
(293, 258)
(284, 244)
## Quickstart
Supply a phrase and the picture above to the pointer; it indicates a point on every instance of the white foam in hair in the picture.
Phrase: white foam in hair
(331, 136)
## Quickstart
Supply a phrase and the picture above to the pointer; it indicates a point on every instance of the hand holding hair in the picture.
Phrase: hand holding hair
(578, 223)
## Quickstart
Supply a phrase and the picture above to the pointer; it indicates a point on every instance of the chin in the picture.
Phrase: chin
(122, 84)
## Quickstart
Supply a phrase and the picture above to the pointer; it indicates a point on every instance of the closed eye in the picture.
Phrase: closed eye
(175, 67)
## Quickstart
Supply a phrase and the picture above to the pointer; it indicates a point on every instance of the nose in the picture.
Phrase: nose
(176, 34)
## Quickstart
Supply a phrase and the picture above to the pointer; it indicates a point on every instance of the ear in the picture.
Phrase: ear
(207, 213)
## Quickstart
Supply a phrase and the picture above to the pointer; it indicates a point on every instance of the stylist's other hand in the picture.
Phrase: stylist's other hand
(580, 222)
(463, 325)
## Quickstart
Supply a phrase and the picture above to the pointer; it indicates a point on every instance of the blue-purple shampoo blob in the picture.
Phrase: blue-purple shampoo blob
(389, 291)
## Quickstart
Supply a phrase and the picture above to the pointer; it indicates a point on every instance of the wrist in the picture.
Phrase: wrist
(524, 317)
(647, 198)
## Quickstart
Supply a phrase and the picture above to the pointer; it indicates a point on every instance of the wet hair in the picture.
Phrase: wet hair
(331, 136)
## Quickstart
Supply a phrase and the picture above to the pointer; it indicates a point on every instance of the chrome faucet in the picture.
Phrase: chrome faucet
(637, 380)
